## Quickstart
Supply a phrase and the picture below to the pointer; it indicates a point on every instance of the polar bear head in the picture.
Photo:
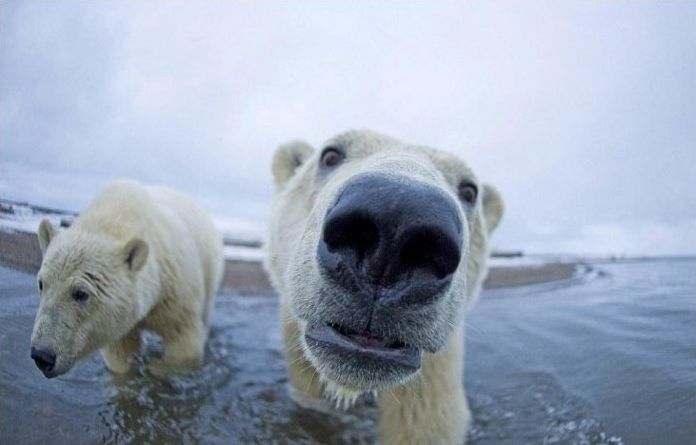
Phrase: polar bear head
(87, 288)
(376, 247)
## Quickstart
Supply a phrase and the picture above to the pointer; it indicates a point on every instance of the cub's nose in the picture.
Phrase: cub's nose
(400, 239)
(45, 360)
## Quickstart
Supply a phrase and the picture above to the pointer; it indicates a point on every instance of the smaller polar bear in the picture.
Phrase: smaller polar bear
(139, 258)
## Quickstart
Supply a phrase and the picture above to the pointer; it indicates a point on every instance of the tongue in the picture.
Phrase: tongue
(369, 342)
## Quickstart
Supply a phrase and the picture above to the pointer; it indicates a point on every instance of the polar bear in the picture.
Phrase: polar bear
(376, 248)
(139, 258)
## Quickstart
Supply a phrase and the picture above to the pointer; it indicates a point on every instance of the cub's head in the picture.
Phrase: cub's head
(376, 247)
(87, 295)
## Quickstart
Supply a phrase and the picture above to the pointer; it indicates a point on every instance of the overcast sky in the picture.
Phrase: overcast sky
(583, 113)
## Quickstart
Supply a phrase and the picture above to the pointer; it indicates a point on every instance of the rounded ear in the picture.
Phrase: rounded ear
(45, 234)
(492, 207)
(286, 160)
(135, 254)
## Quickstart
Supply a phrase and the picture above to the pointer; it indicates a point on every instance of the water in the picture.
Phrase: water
(605, 360)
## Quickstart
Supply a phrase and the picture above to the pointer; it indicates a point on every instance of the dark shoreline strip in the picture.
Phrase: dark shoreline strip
(20, 251)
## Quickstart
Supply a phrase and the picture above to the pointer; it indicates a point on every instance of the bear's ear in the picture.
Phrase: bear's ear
(45, 234)
(135, 253)
(286, 160)
(492, 207)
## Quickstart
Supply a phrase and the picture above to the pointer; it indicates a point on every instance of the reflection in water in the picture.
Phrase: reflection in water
(545, 365)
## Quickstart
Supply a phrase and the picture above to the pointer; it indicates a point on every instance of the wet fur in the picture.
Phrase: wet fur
(150, 259)
(426, 408)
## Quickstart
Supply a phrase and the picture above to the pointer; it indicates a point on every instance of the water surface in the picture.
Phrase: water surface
(607, 359)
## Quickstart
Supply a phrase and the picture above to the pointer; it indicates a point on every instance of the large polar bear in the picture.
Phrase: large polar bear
(376, 248)
(139, 258)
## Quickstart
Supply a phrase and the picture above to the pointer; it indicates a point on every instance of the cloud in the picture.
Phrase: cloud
(582, 113)
(637, 238)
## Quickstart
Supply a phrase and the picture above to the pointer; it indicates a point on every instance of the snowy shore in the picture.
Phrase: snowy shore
(244, 253)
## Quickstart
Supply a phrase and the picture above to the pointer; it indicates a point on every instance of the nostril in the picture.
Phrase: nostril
(45, 360)
(385, 235)
(429, 249)
(354, 231)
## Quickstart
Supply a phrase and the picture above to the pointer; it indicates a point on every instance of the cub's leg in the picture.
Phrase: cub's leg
(118, 355)
(184, 347)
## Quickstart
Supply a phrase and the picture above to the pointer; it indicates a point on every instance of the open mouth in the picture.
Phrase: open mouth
(364, 344)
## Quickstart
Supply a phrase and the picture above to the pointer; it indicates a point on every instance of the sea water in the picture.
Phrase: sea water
(606, 358)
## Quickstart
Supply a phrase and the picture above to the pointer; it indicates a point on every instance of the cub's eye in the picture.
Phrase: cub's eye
(79, 295)
(331, 157)
(40, 285)
(468, 192)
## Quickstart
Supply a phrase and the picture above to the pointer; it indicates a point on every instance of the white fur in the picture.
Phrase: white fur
(428, 407)
(150, 259)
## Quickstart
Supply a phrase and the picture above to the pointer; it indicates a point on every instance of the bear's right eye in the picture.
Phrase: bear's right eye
(331, 157)
(79, 295)
(468, 192)
(40, 285)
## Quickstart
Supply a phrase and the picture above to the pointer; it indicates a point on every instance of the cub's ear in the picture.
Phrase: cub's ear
(134, 254)
(45, 234)
(492, 207)
(286, 160)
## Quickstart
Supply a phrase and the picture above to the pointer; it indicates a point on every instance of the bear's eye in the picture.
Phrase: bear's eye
(468, 192)
(79, 295)
(331, 157)
(40, 285)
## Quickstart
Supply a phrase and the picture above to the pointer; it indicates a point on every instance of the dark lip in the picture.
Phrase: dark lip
(50, 375)
(368, 346)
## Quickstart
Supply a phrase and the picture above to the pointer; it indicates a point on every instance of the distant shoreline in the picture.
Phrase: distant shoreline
(244, 274)
(20, 251)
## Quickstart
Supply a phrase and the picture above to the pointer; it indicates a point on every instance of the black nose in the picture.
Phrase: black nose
(45, 360)
(398, 239)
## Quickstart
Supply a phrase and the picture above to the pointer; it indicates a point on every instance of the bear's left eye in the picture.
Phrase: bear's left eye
(468, 192)
(79, 295)
(331, 157)
(40, 284)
